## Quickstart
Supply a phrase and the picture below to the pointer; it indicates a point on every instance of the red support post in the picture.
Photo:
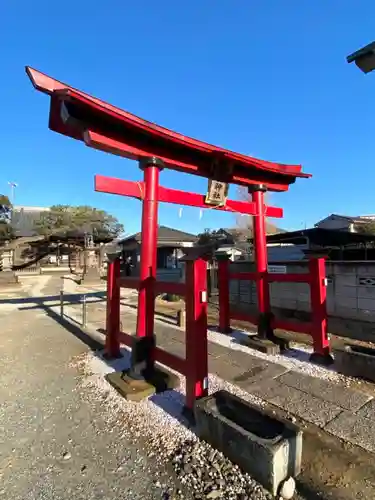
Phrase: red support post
(318, 294)
(112, 340)
(196, 331)
(261, 261)
(223, 285)
(146, 296)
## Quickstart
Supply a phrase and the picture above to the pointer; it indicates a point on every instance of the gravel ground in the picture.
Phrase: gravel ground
(201, 471)
(56, 441)
(67, 434)
(208, 474)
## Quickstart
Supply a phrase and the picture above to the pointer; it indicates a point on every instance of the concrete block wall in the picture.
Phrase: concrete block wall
(171, 275)
(350, 294)
(353, 290)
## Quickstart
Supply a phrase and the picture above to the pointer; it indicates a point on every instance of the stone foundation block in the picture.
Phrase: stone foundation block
(262, 345)
(355, 361)
(268, 448)
(136, 389)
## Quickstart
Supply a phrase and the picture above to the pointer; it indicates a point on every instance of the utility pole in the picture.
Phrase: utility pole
(12, 185)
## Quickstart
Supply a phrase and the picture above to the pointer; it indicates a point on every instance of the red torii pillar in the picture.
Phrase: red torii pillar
(144, 342)
(261, 261)
(145, 317)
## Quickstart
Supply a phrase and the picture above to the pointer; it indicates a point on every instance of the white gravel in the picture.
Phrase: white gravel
(157, 419)
(154, 420)
(296, 359)
(158, 423)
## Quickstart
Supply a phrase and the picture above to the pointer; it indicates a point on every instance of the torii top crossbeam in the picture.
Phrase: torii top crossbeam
(113, 130)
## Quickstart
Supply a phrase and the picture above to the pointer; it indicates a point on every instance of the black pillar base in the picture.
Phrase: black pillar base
(107, 356)
(282, 343)
(265, 331)
(142, 359)
(321, 359)
(142, 366)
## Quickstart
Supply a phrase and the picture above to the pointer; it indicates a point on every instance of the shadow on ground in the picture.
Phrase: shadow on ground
(165, 318)
(69, 298)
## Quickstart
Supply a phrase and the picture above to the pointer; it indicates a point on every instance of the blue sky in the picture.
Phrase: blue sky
(267, 78)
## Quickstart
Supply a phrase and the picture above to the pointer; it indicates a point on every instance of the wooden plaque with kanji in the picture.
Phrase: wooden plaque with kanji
(217, 192)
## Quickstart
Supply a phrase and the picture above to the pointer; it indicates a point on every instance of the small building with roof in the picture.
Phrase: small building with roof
(345, 222)
(170, 247)
(338, 244)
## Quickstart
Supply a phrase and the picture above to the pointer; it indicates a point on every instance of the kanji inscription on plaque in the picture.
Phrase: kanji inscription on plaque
(217, 192)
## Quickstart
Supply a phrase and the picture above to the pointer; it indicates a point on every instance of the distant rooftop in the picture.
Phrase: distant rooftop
(165, 235)
(321, 237)
(26, 208)
(355, 219)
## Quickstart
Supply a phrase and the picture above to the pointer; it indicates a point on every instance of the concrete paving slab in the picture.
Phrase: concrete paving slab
(355, 429)
(245, 360)
(268, 388)
(344, 397)
(224, 368)
(297, 402)
(263, 371)
(368, 410)
(307, 407)
(176, 348)
(217, 351)
(254, 368)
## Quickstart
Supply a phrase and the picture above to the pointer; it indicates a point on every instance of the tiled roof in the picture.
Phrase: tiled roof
(165, 234)
(243, 234)
(356, 219)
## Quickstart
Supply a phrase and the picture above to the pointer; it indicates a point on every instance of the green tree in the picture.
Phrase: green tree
(211, 236)
(205, 238)
(6, 232)
(61, 219)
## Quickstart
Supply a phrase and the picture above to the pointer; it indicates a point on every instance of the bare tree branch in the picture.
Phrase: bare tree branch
(244, 222)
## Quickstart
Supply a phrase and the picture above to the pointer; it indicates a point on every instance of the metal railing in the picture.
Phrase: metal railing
(83, 301)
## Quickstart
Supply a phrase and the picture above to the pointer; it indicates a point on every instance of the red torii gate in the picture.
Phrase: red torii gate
(107, 128)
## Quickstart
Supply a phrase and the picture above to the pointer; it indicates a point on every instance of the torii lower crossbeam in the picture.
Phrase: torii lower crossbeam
(136, 190)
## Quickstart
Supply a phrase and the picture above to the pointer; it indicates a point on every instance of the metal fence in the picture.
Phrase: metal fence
(83, 302)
